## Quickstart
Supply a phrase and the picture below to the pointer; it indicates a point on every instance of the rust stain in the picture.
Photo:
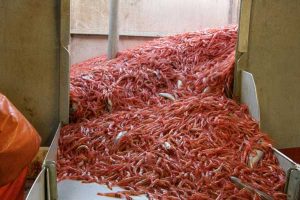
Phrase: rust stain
(27, 108)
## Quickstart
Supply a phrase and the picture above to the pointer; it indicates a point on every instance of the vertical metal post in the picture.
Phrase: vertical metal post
(113, 35)
(51, 181)
(64, 79)
(241, 57)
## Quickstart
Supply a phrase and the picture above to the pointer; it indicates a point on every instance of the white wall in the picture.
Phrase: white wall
(84, 47)
(142, 19)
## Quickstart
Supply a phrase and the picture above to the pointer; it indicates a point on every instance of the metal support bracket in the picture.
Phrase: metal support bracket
(51, 183)
(113, 35)
(292, 186)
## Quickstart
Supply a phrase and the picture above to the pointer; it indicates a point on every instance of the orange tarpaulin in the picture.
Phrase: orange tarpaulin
(15, 189)
(19, 143)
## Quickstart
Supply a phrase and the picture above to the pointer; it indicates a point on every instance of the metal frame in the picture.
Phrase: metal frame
(53, 190)
(242, 45)
(245, 91)
(292, 187)
(38, 189)
(51, 181)
(46, 187)
(249, 97)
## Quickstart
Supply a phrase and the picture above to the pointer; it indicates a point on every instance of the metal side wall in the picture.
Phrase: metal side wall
(269, 48)
(34, 60)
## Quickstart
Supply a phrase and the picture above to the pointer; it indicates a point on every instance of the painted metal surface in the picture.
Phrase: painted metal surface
(245, 11)
(272, 57)
(64, 61)
(34, 61)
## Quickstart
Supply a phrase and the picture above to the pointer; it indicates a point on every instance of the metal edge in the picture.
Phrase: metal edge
(49, 165)
(64, 61)
(45, 185)
(285, 162)
(249, 94)
(123, 34)
(249, 97)
(242, 43)
(244, 25)
(38, 189)
(51, 155)
(289, 166)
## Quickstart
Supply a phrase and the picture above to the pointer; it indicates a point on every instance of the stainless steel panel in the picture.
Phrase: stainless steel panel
(293, 184)
(249, 95)
(52, 153)
(50, 166)
(285, 162)
(38, 190)
(75, 190)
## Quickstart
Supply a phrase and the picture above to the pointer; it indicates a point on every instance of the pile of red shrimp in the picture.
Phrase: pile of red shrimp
(181, 65)
(157, 120)
(187, 150)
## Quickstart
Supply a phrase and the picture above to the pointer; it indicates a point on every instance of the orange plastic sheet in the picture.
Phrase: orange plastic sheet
(15, 189)
(19, 143)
